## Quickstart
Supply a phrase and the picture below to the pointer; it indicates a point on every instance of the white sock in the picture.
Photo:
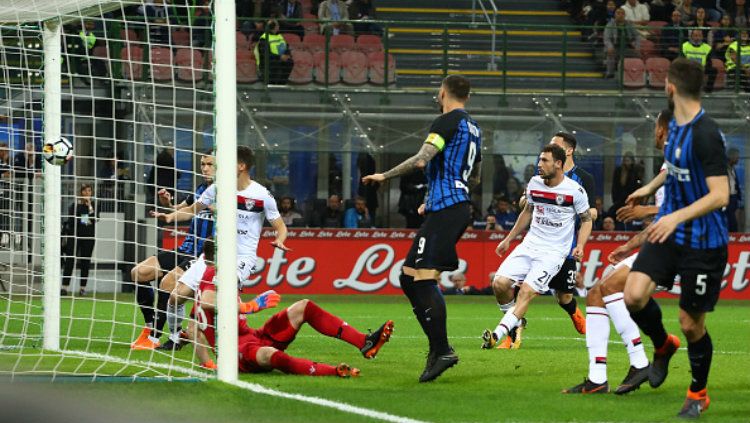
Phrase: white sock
(627, 329)
(153, 339)
(505, 307)
(597, 336)
(170, 317)
(508, 322)
(180, 316)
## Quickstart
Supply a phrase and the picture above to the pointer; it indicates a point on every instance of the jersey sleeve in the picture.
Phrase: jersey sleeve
(588, 186)
(527, 193)
(270, 208)
(708, 147)
(581, 200)
(441, 131)
(208, 198)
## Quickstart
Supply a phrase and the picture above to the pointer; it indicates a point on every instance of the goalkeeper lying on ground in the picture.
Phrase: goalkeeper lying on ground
(261, 350)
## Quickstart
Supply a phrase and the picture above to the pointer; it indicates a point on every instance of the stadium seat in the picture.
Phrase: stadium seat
(161, 64)
(721, 74)
(302, 72)
(310, 27)
(242, 42)
(634, 75)
(132, 62)
(376, 65)
(129, 36)
(247, 69)
(314, 43)
(355, 67)
(100, 51)
(657, 71)
(648, 49)
(180, 38)
(655, 28)
(334, 67)
(293, 41)
(342, 43)
(306, 6)
(189, 64)
(369, 43)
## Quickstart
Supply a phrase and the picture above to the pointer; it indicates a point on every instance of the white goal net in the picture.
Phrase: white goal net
(135, 94)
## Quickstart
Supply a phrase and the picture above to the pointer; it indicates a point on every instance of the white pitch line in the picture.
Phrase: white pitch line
(259, 389)
(341, 406)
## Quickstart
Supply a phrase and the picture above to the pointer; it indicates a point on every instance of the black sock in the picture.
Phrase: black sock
(407, 285)
(144, 294)
(570, 307)
(162, 299)
(700, 353)
(649, 320)
(435, 315)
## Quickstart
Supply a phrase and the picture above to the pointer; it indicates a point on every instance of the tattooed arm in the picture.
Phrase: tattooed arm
(417, 161)
(583, 234)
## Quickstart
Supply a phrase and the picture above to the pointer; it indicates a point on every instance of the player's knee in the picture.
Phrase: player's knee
(563, 297)
(594, 297)
(500, 284)
(692, 329)
(134, 274)
(297, 310)
(633, 300)
(174, 298)
(263, 356)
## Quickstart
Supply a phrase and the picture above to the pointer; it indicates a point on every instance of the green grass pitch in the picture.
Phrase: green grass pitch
(497, 385)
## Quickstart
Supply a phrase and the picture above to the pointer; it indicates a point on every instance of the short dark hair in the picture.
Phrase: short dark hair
(557, 152)
(569, 139)
(245, 156)
(664, 117)
(687, 77)
(503, 199)
(457, 86)
(209, 152)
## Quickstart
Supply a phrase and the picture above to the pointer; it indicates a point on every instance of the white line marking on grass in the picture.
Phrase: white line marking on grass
(341, 406)
(137, 363)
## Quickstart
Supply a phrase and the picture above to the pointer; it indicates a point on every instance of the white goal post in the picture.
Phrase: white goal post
(182, 95)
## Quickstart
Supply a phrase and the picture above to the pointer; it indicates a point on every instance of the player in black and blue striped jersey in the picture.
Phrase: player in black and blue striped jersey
(689, 237)
(168, 266)
(451, 154)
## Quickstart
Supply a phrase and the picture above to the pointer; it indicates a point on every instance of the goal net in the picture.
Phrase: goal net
(131, 84)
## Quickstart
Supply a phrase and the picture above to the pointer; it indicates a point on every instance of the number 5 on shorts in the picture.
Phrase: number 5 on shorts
(700, 284)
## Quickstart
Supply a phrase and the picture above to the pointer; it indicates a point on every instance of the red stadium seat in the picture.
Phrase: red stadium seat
(376, 66)
(369, 43)
(655, 28)
(721, 74)
(161, 64)
(310, 27)
(355, 67)
(100, 51)
(247, 69)
(306, 6)
(648, 49)
(132, 62)
(129, 36)
(342, 43)
(180, 38)
(242, 42)
(334, 67)
(634, 74)
(657, 68)
(314, 43)
(189, 65)
(293, 41)
(302, 72)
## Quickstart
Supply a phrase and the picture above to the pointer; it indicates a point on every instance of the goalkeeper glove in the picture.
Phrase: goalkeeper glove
(263, 301)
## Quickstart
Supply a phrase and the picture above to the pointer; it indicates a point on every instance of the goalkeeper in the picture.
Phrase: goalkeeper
(262, 349)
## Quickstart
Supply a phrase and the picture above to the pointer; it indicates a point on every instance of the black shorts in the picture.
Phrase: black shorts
(700, 272)
(434, 247)
(168, 260)
(565, 279)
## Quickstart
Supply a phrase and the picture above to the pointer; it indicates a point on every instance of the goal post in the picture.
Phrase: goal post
(124, 81)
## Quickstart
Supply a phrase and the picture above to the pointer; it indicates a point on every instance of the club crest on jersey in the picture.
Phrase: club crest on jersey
(560, 199)
(249, 204)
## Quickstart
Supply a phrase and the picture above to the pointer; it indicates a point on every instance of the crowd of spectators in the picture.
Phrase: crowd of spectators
(618, 26)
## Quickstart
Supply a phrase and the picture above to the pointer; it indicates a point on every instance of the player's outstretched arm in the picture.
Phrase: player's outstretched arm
(280, 227)
(583, 234)
(623, 251)
(417, 161)
(629, 213)
(717, 197)
(268, 299)
(647, 190)
(181, 215)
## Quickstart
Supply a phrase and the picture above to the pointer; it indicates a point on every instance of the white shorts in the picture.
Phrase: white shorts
(531, 266)
(192, 277)
(627, 262)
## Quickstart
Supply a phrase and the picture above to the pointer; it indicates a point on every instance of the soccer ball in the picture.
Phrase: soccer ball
(58, 152)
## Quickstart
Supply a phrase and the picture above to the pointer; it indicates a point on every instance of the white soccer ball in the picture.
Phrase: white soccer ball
(58, 152)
